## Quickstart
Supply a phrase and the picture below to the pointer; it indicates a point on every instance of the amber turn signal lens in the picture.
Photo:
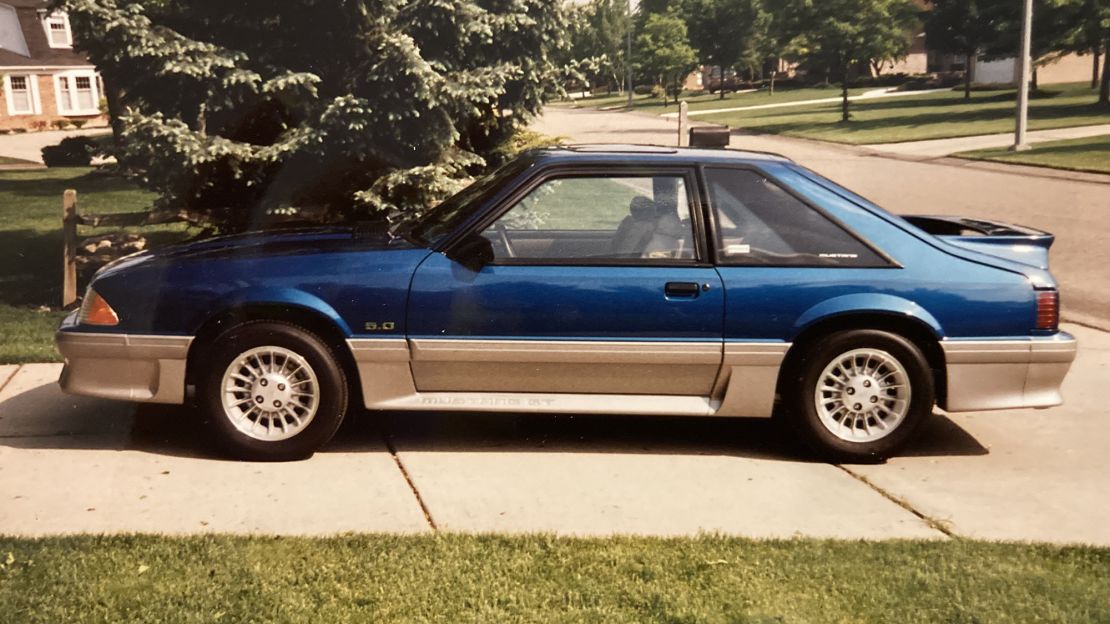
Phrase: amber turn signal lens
(1048, 309)
(96, 311)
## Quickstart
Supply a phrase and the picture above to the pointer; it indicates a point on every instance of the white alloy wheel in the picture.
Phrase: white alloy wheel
(270, 393)
(863, 395)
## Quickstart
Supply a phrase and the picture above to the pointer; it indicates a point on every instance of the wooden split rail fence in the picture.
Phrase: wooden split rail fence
(71, 218)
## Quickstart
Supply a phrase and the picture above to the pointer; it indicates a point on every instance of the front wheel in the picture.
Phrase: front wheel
(860, 395)
(272, 392)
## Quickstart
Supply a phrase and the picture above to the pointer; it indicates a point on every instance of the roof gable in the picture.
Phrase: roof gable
(39, 52)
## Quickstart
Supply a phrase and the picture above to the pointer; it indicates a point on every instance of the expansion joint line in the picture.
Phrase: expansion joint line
(408, 479)
(933, 523)
(5, 381)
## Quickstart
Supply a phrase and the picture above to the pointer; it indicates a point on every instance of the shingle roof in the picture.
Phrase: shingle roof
(41, 54)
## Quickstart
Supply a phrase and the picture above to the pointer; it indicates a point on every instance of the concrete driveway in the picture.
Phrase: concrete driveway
(75, 465)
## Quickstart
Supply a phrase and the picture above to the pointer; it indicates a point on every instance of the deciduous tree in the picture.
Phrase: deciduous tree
(728, 33)
(838, 34)
(664, 50)
(962, 27)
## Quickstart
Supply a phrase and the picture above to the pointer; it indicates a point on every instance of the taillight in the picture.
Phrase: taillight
(96, 311)
(1048, 309)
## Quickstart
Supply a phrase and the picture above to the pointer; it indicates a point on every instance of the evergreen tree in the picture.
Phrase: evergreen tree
(234, 110)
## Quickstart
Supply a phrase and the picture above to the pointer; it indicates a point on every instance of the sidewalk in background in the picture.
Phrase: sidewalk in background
(938, 148)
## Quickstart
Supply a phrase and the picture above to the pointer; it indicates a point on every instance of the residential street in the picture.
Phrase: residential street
(70, 464)
(1077, 212)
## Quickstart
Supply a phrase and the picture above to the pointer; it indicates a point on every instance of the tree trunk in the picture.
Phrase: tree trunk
(721, 87)
(967, 75)
(1095, 55)
(1033, 83)
(845, 115)
(1104, 91)
(115, 108)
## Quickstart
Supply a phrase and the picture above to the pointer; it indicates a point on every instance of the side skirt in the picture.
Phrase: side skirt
(745, 385)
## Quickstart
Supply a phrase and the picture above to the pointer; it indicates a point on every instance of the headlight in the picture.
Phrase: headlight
(96, 311)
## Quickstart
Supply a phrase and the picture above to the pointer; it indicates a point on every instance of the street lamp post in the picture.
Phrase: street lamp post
(628, 56)
(1023, 82)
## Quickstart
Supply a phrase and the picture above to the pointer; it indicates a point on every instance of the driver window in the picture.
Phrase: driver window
(598, 217)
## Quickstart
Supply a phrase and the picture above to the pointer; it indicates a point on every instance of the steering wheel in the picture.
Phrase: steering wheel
(504, 234)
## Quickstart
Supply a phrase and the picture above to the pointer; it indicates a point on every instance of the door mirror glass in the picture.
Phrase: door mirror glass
(473, 252)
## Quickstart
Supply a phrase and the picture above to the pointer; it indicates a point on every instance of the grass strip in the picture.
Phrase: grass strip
(460, 578)
(1090, 154)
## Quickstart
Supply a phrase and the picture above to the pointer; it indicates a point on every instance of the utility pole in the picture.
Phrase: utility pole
(1023, 82)
(628, 56)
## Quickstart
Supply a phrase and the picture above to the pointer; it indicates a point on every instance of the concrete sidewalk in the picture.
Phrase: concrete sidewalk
(78, 465)
(938, 148)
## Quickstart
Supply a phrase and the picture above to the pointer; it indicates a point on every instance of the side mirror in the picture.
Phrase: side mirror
(473, 252)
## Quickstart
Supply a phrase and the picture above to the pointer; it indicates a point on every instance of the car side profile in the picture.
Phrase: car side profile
(590, 279)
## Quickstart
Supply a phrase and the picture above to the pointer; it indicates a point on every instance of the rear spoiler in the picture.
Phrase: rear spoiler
(1004, 240)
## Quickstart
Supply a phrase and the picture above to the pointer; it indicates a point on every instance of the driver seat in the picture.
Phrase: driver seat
(636, 230)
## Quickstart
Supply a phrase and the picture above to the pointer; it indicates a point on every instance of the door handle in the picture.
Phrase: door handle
(688, 290)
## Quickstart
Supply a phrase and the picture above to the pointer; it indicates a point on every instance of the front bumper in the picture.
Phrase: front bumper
(123, 366)
(1007, 374)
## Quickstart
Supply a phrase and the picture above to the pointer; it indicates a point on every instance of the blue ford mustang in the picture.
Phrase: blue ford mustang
(590, 279)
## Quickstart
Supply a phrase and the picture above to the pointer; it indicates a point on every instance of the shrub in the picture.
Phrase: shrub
(80, 123)
(61, 123)
(71, 152)
(39, 126)
(643, 89)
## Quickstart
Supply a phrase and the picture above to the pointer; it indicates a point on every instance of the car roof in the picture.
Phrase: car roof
(649, 154)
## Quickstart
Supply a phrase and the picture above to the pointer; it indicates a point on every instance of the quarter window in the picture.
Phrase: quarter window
(601, 218)
(759, 223)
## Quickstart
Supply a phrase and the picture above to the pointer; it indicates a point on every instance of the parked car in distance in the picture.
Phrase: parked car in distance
(590, 279)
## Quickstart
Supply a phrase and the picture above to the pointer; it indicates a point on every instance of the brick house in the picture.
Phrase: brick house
(44, 79)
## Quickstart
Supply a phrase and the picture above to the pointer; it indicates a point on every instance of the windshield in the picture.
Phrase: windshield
(452, 212)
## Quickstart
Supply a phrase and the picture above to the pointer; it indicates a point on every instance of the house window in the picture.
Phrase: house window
(57, 31)
(21, 94)
(77, 93)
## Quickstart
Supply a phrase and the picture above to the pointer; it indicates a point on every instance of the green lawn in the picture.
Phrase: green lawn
(925, 116)
(1089, 154)
(456, 578)
(887, 120)
(703, 101)
(31, 249)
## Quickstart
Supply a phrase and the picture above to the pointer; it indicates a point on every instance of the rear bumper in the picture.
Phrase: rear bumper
(123, 366)
(1007, 374)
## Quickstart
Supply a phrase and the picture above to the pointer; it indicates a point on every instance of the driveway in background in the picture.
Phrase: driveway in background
(70, 464)
(28, 146)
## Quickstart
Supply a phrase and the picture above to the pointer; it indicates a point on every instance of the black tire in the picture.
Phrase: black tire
(332, 400)
(802, 409)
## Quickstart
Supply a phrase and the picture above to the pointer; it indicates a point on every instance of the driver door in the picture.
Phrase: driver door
(599, 284)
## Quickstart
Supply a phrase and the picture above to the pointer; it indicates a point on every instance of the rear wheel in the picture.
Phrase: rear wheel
(273, 392)
(860, 395)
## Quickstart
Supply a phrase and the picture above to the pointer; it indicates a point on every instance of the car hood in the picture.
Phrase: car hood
(266, 243)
